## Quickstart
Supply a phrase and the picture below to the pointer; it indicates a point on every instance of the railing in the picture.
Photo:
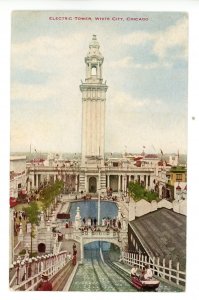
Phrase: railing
(27, 273)
(74, 169)
(18, 248)
(163, 269)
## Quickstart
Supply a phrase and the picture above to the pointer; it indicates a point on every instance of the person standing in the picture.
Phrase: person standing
(45, 284)
(74, 248)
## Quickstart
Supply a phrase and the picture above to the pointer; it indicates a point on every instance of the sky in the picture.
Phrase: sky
(145, 66)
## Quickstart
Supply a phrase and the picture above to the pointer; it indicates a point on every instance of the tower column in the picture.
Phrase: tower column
(93, 106)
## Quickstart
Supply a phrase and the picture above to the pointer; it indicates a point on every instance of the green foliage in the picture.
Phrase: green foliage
(22, 252)
(32, 212)
(49, 192)
(138, 192)
(34, 254)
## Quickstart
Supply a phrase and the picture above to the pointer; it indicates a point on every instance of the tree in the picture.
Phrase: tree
(138, 192)
(32, 212)
(49, 192)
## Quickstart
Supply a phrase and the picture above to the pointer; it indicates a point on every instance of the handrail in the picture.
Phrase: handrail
(170, 274)
(28, 273)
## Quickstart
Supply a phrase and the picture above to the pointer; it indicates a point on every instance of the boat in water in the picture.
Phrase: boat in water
(145, 285)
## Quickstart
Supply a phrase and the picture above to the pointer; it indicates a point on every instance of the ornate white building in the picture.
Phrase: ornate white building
(93, 173)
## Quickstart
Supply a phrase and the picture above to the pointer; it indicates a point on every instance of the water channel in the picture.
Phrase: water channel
(96, 274)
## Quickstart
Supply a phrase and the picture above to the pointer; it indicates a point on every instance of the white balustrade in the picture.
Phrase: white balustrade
(26, 274)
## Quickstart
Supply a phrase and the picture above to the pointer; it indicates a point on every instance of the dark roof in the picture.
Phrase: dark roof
(163, 233)
(178, 169)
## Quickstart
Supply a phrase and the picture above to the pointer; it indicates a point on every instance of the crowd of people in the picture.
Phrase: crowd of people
(106, 225)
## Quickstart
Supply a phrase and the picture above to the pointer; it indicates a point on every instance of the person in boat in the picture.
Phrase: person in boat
(148, 274)
(134, 271)
(141, 277)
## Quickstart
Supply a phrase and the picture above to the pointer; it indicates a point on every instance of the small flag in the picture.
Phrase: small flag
(161, 151)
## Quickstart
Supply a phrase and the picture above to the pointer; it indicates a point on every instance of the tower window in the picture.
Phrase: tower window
(94, 71)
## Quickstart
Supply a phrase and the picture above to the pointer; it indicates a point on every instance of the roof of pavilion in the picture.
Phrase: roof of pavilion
(163, 233)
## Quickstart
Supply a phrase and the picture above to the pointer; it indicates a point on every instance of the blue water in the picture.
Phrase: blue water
(95, 246)
(88, 209)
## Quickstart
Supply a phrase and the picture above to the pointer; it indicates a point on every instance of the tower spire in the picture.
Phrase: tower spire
(93, 103)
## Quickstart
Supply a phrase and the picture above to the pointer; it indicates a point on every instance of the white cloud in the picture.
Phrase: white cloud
(125, 103)
(31, 92)
(129, 62)
(45, 52)
(174, 36)
(62, 59)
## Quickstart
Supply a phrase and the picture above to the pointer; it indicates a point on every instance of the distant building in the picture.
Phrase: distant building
(177, 177)
(17, 176)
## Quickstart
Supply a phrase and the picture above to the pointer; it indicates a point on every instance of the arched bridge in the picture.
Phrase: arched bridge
(118, 238)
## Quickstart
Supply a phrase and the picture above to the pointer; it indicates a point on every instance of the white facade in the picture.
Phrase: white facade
(17, 164)
(93, 104)
(17, 175)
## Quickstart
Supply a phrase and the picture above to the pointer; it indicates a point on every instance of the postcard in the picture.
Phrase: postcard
(98, 151)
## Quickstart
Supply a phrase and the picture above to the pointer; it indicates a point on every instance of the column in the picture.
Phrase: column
(33, 181)
(149, 182)
(76, 183)
(86, 183)
(108, 183)
(36, 181)
(28, 187)
(98, 70)
(119, 183)
(123, 183)
(54, 178)
(48, 177)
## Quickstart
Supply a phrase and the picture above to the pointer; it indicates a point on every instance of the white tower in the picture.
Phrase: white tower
(93, 104)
